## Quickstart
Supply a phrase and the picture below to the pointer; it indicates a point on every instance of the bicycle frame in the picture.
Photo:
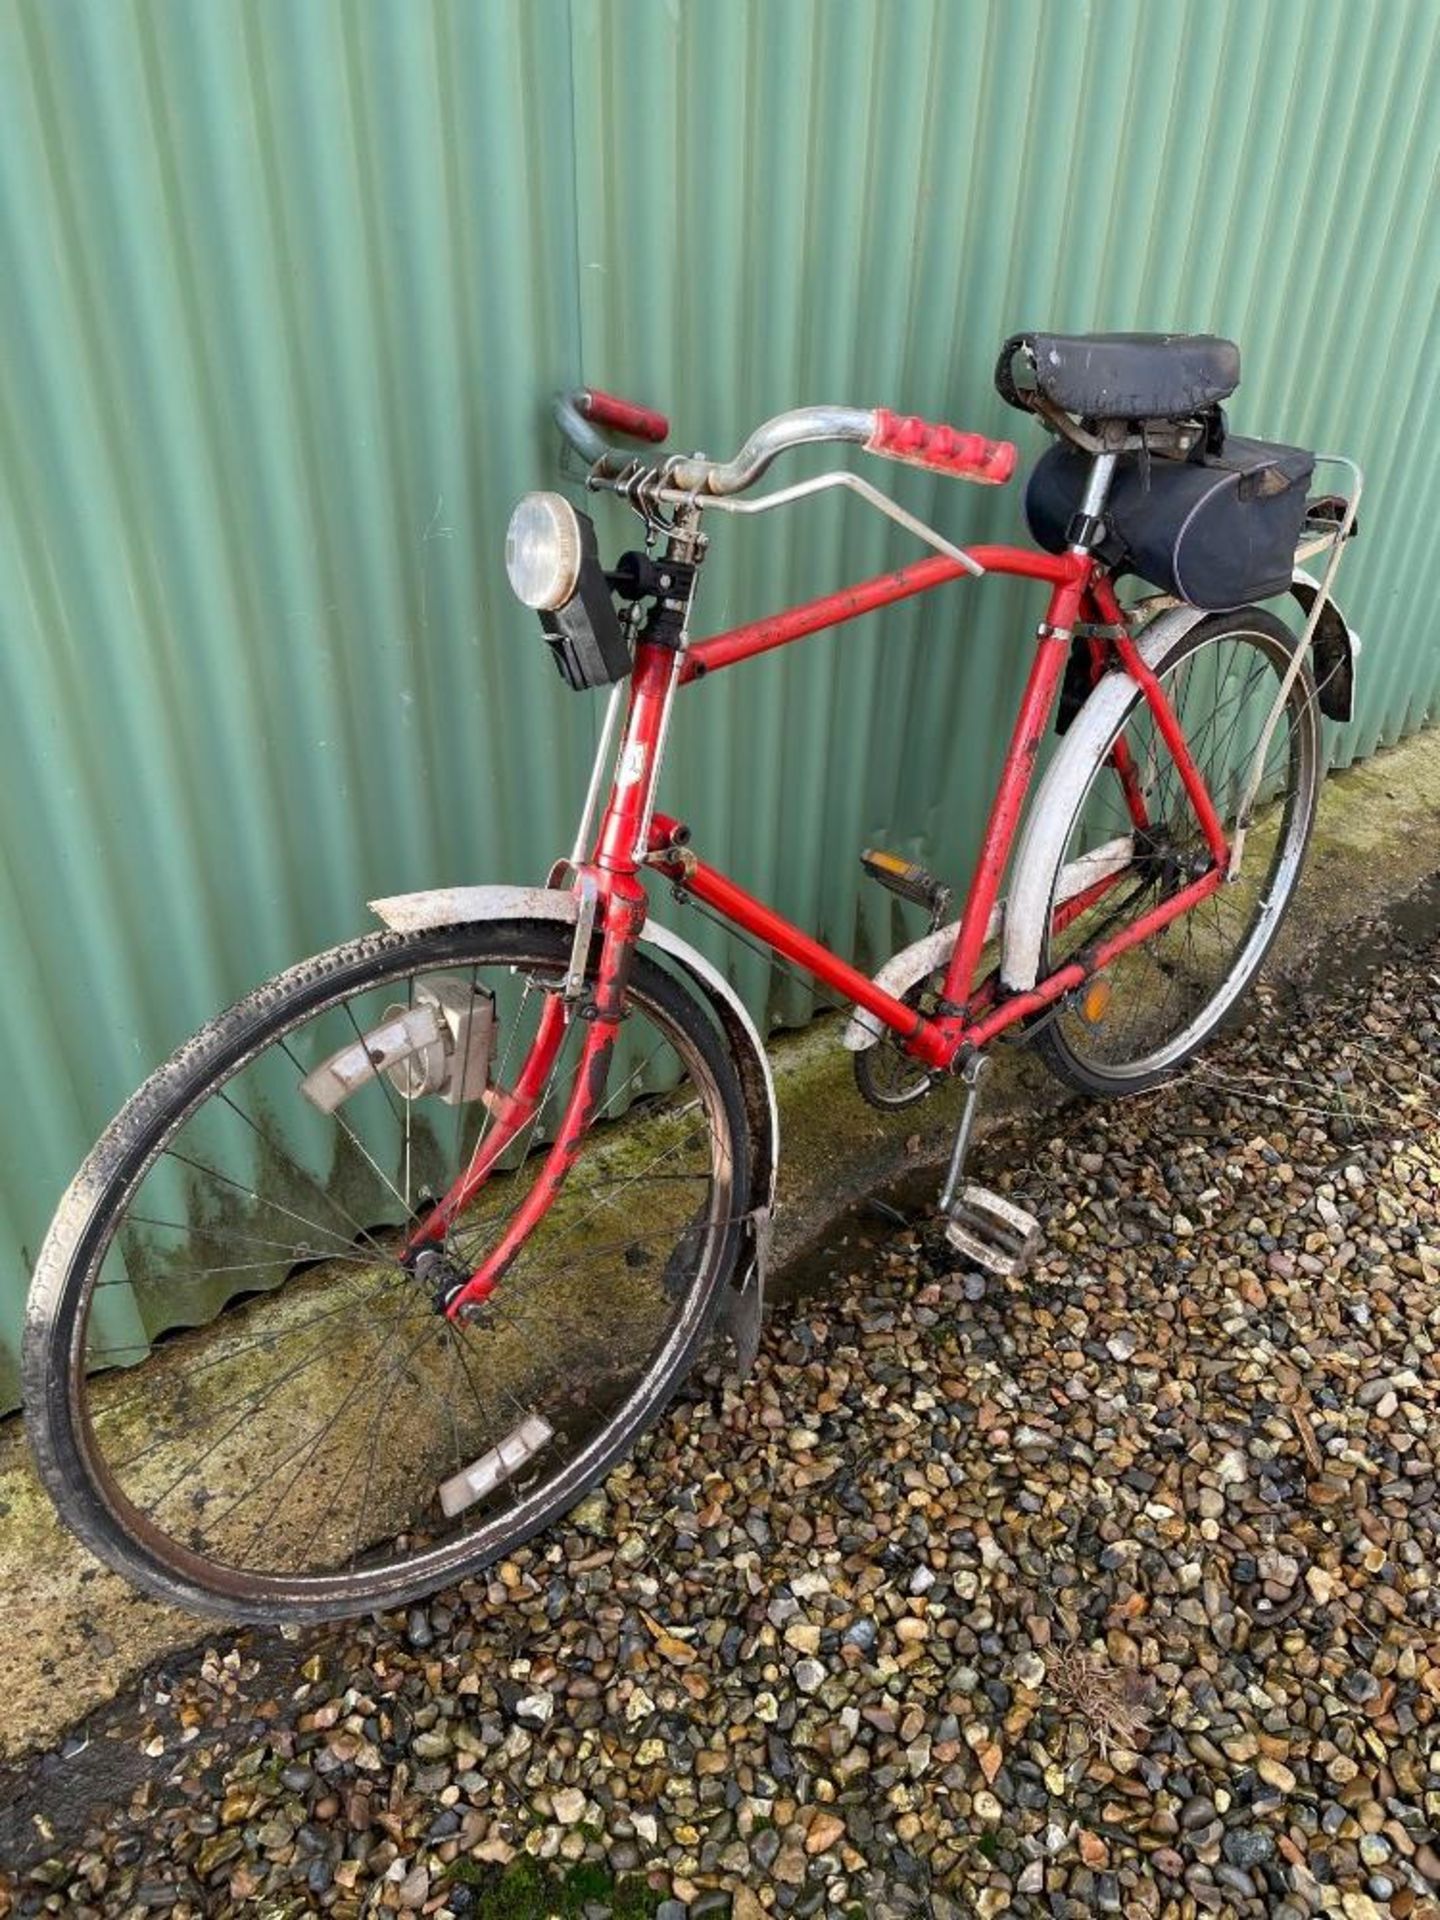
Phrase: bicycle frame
(1079, 593)
(632, 837)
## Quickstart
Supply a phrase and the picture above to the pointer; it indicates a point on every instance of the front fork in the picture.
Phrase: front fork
(609, 889)
(602, 1008)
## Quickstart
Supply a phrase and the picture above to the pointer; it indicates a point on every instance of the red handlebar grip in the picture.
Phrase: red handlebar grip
(925, 443)
(641, 423)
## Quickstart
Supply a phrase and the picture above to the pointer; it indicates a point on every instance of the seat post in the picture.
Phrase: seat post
(1084, 528)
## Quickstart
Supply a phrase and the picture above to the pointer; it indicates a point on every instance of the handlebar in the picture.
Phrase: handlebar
(919, 443)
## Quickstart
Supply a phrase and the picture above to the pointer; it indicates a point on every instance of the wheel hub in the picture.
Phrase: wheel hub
(444, 1277)
(1164, 863)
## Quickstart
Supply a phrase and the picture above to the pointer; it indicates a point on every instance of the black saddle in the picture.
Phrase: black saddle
(1122, 376)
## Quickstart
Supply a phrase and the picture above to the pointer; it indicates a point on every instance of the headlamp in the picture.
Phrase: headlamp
(543, 550)
(554, 567)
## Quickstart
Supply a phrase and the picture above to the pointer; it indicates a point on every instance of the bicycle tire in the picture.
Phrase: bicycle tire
(1097, 1062)
(56, 1384)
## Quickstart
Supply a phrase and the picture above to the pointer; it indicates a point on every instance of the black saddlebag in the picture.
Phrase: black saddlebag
(1217, 531)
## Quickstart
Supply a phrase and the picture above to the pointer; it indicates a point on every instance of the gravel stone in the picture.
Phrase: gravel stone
(1110, 1589)
(1247, 1846)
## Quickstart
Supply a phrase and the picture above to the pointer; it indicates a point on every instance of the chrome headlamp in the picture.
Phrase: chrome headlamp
(543, 550)
(553, 564)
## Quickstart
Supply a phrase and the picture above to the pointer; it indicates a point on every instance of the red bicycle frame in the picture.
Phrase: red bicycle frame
(632, 837)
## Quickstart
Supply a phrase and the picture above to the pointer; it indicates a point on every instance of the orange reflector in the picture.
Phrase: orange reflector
(1095, 1003)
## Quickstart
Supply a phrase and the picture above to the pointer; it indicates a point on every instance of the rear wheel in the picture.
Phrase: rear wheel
(239, 1395)
(1167, 995)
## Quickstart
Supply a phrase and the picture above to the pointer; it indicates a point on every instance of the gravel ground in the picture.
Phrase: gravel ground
(1112, 1590)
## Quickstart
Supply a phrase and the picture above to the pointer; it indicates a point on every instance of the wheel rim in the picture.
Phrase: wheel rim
(1171, 990)
(291, 1452)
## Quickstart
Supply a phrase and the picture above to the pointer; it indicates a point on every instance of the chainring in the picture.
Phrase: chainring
(885, 1075)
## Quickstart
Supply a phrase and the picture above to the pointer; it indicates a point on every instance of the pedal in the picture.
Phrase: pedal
(991, 1232)
(910, 880)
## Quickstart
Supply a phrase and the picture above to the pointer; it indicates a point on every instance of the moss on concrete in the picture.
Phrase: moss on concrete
(525, 1890)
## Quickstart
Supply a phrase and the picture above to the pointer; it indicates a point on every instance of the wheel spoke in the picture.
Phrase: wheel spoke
(310, 1444)
(261, 1200)
(296, 1250)
(231, 1352)
(250, 1406)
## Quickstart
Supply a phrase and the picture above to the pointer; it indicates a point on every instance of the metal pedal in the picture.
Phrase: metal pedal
(910, 880)
(992, 1233)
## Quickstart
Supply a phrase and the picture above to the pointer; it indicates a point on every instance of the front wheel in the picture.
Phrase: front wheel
(238, 1393)
(1162, 999)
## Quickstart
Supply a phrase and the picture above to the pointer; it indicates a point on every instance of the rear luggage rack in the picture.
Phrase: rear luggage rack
(1329, 517)
(1335, 515)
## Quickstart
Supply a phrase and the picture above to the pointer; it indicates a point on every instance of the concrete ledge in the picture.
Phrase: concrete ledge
(72, 1634)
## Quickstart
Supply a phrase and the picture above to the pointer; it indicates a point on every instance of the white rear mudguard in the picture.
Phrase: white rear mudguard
(457, 906)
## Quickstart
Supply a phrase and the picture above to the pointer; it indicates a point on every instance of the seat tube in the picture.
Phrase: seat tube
(1037, 702)
(1085, 528)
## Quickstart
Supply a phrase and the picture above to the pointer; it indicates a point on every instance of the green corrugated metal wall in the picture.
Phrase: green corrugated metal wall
(285, 287)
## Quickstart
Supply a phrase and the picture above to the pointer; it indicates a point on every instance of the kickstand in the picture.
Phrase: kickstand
(987, 1230)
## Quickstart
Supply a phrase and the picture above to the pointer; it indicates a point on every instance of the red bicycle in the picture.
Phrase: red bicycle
(473, 1191)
